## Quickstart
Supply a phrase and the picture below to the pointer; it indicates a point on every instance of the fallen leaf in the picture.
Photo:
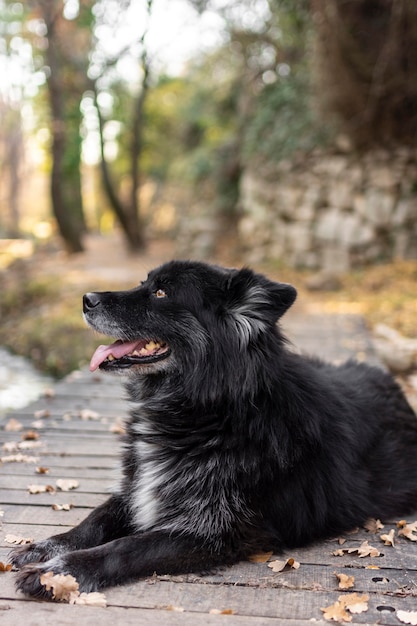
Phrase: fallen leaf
(41, 489)
(372, 567)
(42, 470)
(30, 435)
(345, 582)
(363, 550)
(62, 507)
(176, 609)
(219, 612)
(407, 617)
(88, 414)
(118, 428)
(354, 602)
(5, 567)
(29, 445)
(67, 484)
(94, 598)
(279, 566)
(19, 458)
(260, 557)
(63, 587)
(38, 424)
(341, 541)
(13, 425)
(16, 540)
(408, 530)
(336, 612)
(41, 413)
(49, 393)
(373, 525)
(388, 539)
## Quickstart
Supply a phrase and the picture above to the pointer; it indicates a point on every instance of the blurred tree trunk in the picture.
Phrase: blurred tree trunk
(127, 210)
(67, 58)
(366, 68)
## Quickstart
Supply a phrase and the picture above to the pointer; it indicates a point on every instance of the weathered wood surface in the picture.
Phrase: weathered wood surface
(77, 441)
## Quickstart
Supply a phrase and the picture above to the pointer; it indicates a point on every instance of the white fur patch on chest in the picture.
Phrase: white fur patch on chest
(145, 504)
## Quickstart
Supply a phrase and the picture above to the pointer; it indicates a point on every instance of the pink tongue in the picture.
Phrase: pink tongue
(117, 349)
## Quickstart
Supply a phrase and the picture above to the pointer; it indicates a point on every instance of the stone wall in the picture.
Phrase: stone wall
(331, 211)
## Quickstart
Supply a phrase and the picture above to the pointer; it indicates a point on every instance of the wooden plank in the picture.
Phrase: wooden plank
(23, 498)
(20, 484)
(105, 475)
(43, 515)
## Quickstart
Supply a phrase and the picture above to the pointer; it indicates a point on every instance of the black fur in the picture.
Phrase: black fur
(235, 444)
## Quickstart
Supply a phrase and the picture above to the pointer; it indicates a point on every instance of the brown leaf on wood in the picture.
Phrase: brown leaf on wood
(5, 567)
(222, 612)
(260, 557)
(388, 539)
(94, 598)
(41, 413)
(13, 425)
(67, 484)
(345, 582)
(336, 612)
(30, 435)
(63, 587)
(409, 531)
(33, 489)
(118, 428)
(16, 540)
(279, 566)
(363, 550)
(176, 609)
(407, 617)
(354, 602)
(88, 414)
(42, 470)
(373, 525)
(62, 507)
(19, 458)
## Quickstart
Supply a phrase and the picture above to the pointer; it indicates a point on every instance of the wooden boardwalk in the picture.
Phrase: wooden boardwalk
(76, 440)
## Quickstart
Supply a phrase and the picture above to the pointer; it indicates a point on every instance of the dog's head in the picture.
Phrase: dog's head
(184, 316)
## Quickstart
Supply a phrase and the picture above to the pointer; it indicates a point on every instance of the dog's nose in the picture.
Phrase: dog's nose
(90, 301)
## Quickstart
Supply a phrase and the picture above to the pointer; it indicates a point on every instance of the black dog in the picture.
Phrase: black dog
(235, 445)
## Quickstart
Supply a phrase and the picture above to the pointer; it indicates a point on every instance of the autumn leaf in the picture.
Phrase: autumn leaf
(364, 550)
(94, 598)
(336, 612)
(388, 539)
(30, 435)
(16, 540)
(355, 603)
(373, 525)
(67, 484)
(223, 612)
(5, 567)
(279, 566)
(41, 489)
(13, 425)
(118, 428)
(62, 507)
(345, 582)
(407, 617)
(176, 609)
(19, 458)
(407, 530)
(63, 587)
(260, 557)
(42, 470)
(88, 414)
(41, 413)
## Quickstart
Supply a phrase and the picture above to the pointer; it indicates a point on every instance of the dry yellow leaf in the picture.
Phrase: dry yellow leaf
(30, 435)
(279, 566)
(94, 598)
(260, 557)
(19, 458)
(336, 612)
(388, 539)
(63, 587)
(13, 425)
(67, 484)
(41, 489)
(62, 507)
(345, 582)
(41, 413)
(407, 617)
(16, 540)
(373, 525)
(42, 470)
(5, 567)
(176, 609)
(408, 530)
(354, 602)
(221, 612)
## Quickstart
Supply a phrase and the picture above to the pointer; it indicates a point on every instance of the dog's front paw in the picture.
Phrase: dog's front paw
(28, 581)
(35, 552)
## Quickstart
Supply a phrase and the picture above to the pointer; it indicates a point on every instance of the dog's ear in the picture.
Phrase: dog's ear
(253, 299)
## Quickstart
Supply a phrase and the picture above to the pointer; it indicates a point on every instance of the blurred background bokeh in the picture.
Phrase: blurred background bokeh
(275, 133)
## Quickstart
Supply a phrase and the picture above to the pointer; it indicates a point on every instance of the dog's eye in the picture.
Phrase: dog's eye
(160, 293)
